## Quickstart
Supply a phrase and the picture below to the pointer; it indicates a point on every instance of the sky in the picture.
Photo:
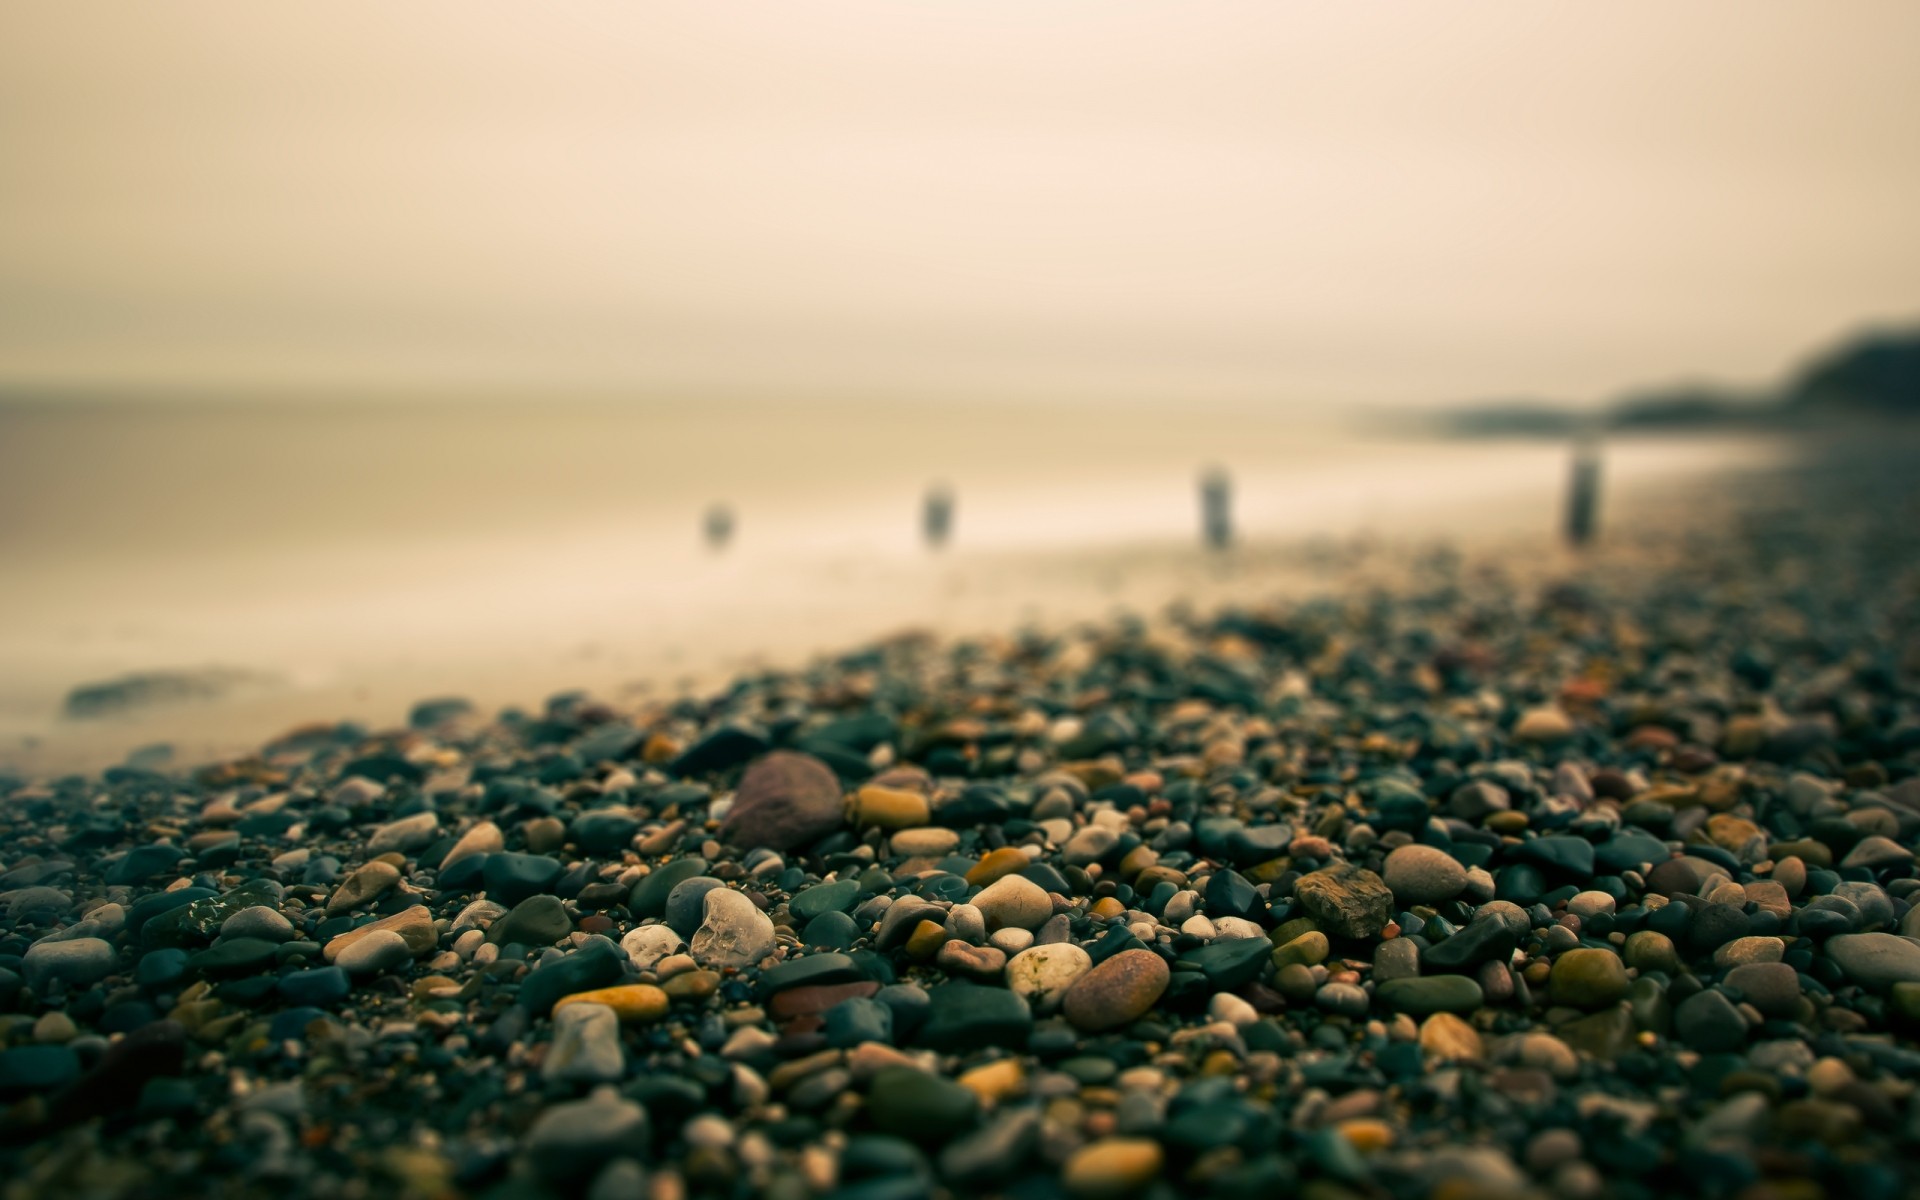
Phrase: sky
(1272, 203)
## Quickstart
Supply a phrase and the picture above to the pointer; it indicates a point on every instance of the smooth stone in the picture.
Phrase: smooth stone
(1419, 874)
(831, 931)
(512, 878)
(1771, 987)
(76, 962)
(1230, 962)
(414, 925)
(1876, 960)
(483, 839)
(650, 893)
(367, 883)
(858, 1019)
(919, 1106)
(686, 904)
(586, 1045)
(1650, 950)
(1708, 1022)
(380, 950)
(876, 805)
(1877, 853)
(967, 1016)
(573, 1140)
(823, 898)
(1117, 991)
(1446, 1038)
(784, 800)
(1395, 958)
(1013, 901)
(1309, 949)
(735, 932)
(1430, 994)
(632, 1003)
(317, 987)
(258, 921)
(535, 921)
(1588, 978)
(646, 945)
(406, 834)
(1112, 1167)
(597, 963)
(927, 841)
(1042, 974)
(1485, 939)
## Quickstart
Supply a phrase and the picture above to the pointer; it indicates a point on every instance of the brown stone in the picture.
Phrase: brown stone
(1117, 991)
(785, 799)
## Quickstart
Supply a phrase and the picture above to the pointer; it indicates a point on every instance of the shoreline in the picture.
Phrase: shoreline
(703, 619)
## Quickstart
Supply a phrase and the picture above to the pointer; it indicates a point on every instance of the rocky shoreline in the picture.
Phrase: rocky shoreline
(1599, 888)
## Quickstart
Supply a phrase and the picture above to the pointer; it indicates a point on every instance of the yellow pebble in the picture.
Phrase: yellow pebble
(1367, 1134)
(995, 1081)
(890, 808)
(1114, 1167)
(632, 1002)
(996, 865)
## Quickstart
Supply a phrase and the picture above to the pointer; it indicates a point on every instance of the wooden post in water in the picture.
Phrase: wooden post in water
(719, 527)
(1216, 508)
(1583, 493)
(936, 516)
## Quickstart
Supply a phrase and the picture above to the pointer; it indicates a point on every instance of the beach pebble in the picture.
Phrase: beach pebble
(378, 951)
(1423, 875)
(586, 1045)
(1348, 901)
(258, 921)
(1115, 992)
(784, 800)
(1042, 974)
(1013, 902)
(735, 933)
(75, 962)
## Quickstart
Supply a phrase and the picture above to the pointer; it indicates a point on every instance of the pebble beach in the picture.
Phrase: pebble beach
(1495, 882)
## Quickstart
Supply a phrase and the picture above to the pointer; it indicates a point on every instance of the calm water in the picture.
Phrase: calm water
(361, 556)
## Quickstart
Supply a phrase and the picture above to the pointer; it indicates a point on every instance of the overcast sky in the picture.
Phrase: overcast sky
(1251, 202)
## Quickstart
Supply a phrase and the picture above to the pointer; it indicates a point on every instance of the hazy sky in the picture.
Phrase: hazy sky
(1354, 202)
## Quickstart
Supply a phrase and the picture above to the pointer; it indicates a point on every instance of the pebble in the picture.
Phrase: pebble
(1042, 974)
(1423, 875)
(1876, 960)
(75, 962)
(1349, 901)
(1117, 991)
(785, 799)
(378, 951)
(1013, 901)
(735, 933)
(586, 1045)
(1112, 1167)
(1588, 978)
